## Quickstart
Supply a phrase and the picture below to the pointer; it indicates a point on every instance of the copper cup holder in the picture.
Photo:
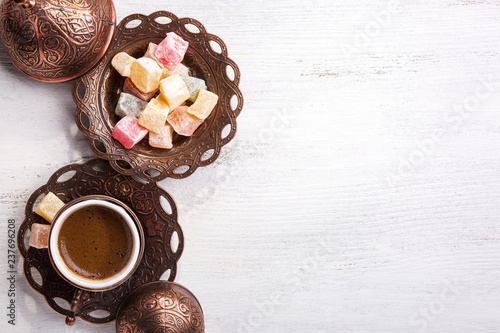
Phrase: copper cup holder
(156, 212)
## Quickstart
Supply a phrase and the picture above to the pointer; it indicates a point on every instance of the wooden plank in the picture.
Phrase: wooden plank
(362, 191)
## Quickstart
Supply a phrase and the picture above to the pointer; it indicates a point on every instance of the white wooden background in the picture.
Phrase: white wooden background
(361, 193)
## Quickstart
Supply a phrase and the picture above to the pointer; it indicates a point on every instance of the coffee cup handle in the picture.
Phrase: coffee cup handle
(77, 297)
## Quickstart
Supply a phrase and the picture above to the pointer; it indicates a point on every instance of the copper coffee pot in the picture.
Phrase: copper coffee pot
(56, 40)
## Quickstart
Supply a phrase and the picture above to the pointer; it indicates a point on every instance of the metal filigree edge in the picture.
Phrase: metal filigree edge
(145, 199)
(130, 162)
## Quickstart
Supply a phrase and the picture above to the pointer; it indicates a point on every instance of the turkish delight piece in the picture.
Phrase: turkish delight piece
(130, 88)
(194, 85)
(162, 139)
(39, 236)
(204, 104)
(154, 115)
(160, 103)
(122, 62)
(128, 131)
(180, 69)
(49, 206)
(183, 122)
(145, 74)
(174, 90)
(171, 50)
(150, 53)
(129, 105)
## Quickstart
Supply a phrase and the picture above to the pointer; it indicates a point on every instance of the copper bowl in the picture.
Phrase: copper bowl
(160, 306)
(96, 95)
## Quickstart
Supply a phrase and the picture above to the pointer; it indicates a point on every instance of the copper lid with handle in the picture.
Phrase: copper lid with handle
(56, 40)
(160, 306)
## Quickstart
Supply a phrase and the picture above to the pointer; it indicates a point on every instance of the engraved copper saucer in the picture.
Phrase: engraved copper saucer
(160, 306)
(96, 95)
(56, 40)
(156, 212)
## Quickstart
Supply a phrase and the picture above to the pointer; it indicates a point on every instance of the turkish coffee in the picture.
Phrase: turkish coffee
(95, 242)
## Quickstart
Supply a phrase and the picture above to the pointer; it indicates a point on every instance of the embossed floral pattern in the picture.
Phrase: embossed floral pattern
(96, 93)
(160, 307)
(56, 40)
(97, 177)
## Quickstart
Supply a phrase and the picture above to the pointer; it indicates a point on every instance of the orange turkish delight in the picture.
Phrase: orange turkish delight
(183, 122)
(39, 237)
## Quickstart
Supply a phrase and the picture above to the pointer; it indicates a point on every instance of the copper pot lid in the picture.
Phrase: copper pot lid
(56, 40)
(160, 306)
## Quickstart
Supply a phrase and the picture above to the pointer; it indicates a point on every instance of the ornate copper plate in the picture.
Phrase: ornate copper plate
(96, 94)
(56, 40)
(154, 208)
(160, 306)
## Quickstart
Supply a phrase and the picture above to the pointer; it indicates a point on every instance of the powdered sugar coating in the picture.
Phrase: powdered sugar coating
(171, 50)
(128, 131)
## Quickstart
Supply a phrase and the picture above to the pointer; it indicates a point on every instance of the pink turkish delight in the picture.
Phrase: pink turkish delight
(171, 50)
(128, 131)
(179, 69)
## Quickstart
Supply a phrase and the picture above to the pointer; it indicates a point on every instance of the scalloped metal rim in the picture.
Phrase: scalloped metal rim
(144, 200)
(93, 124)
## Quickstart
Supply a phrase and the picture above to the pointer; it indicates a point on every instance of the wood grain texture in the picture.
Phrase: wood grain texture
(362, 190)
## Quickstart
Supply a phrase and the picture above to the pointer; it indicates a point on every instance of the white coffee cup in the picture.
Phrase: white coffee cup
(136, 251)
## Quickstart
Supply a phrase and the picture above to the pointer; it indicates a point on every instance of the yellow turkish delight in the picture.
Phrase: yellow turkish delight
(122, 62)
(204, 104)
(49, 206)
(145, 74)
(179, 69)
(154, 115)
(174, 90)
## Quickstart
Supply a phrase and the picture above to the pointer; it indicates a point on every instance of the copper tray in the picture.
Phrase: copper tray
(96, 94)
(156, 211)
